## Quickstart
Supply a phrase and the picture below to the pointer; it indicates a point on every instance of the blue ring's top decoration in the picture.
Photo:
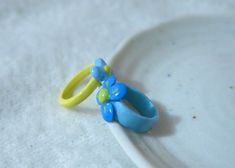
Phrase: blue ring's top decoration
(100, 70)
(110, 98)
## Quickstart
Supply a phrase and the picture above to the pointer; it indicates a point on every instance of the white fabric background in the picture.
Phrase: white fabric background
(42, 45)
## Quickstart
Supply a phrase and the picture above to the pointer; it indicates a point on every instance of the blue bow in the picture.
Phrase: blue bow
(110, 90)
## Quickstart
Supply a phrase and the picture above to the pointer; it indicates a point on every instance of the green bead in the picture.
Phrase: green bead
(103, 95)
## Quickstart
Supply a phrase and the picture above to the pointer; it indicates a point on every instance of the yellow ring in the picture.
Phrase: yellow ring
(66, 99)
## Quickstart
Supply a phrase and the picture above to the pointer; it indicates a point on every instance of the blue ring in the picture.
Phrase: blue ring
(112, 97)
(142, 121)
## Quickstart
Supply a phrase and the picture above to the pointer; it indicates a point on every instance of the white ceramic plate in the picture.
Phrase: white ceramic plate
(187, 67)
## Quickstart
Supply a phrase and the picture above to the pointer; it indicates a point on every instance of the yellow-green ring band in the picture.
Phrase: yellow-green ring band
(66, 99)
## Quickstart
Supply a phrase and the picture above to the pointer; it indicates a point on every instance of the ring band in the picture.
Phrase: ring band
(140, 121)
(66, 99)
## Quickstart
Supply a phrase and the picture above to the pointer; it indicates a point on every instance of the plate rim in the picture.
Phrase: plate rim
(120, 134)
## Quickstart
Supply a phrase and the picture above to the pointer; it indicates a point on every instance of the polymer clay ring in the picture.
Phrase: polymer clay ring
(67, 99)
(115, 99)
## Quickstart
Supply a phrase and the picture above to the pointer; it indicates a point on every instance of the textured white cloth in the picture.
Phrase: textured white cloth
(42, 45)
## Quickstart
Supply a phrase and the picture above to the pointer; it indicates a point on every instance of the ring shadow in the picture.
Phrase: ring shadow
(167, 123)
(85, 108)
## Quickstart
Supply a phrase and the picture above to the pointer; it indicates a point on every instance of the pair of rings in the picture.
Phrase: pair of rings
(118, 101)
